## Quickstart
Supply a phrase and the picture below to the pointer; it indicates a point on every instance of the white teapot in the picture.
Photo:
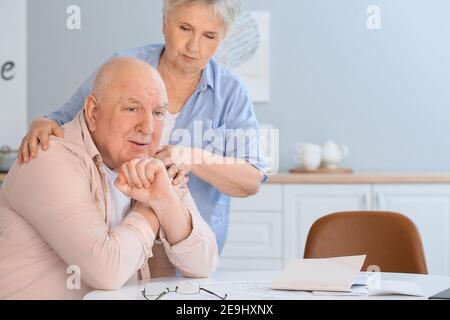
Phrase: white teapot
(332, 154)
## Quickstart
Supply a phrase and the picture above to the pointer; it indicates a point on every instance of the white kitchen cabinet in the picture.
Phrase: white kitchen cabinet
(254, 235)
(255, 238)
(304, 204)
(428, 206)
(269, 198)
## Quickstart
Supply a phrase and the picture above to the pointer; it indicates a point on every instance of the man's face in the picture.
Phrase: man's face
(129, 120)
(192, 35)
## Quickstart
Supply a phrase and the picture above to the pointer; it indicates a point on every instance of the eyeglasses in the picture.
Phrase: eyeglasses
(157, 290)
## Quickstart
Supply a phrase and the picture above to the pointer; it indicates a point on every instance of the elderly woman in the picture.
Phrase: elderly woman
(201, 95)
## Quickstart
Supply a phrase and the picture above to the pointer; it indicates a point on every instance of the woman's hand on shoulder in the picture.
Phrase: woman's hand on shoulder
(39, 134)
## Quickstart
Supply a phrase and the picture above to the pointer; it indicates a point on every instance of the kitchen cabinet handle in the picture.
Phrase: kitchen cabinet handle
(378, 201)
(365, 202)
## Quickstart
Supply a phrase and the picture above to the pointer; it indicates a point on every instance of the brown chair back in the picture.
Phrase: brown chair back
(390, 240)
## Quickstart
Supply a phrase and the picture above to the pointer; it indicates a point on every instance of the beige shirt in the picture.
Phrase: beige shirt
(55, 213)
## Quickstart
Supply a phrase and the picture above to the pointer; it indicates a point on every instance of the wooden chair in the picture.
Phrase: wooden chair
(390, 240)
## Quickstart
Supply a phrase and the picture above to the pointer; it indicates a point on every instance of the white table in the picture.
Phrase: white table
(430, 285)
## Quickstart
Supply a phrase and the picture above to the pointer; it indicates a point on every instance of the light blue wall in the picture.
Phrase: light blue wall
(383, 93)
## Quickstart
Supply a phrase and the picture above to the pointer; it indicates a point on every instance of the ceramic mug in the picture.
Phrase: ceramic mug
(308, 156)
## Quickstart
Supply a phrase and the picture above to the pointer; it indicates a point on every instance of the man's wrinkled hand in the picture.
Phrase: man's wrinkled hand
(146, 181)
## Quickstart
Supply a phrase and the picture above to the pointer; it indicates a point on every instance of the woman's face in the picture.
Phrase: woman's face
(192, 35)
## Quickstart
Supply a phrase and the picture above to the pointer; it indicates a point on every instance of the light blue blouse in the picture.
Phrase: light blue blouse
(219, 106)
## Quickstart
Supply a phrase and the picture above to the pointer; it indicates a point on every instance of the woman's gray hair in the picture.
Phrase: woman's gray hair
(227, 10)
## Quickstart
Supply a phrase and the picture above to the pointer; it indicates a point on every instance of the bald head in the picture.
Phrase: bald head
(123, 72)
(125, 112)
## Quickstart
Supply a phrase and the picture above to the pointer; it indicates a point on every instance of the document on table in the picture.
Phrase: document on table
(384, 288)
(252, 290)
(389, 287)
(332, 274)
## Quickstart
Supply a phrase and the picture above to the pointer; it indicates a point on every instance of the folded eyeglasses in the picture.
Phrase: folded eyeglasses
(157, 290)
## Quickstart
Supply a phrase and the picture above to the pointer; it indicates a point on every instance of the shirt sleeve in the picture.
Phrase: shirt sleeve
(53, 193)
(71, 108)
(243, 132)
(197, 256)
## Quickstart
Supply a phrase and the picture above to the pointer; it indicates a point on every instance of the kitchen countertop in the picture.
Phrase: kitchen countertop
(354, 178)
(361, 178)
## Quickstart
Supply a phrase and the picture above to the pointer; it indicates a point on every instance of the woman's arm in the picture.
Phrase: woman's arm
(232, 176)
(71, 108)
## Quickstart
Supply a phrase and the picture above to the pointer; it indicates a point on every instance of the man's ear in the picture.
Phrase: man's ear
(90, 112)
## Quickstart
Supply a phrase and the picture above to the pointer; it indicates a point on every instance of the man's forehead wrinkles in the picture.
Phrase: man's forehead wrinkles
(152, 101)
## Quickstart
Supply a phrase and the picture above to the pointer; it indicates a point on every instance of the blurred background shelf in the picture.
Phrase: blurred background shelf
(361, 178)
(321, 171)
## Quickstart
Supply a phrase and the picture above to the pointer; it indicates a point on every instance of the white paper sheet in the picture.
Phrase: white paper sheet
(386, 287)
(333, 274)
(389, 287)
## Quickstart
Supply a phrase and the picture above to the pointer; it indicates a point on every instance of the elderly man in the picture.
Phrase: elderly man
(64, 213)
